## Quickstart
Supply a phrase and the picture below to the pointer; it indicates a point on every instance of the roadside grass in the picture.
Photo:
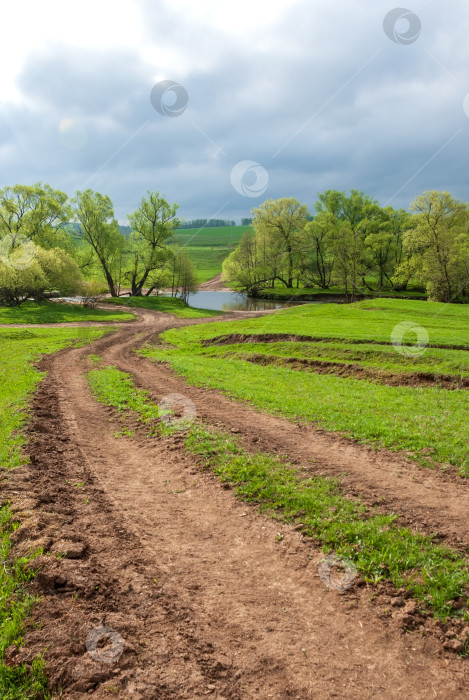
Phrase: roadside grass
(58, 312)
(377, 545)
(114, 388)
(19, 349)
(15, 607)
(168, 305)
(427, 423)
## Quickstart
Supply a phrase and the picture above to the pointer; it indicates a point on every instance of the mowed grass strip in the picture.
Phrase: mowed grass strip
(427, 423)
(20, 349)
(379, 548)
(58, 312)
(168, 305)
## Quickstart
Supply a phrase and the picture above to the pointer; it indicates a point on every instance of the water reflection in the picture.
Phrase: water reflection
(232, 301)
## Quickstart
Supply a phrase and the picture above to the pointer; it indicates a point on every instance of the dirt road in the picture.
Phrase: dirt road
(203, 596)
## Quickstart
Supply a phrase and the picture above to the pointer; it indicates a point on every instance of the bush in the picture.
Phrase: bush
(50, 270)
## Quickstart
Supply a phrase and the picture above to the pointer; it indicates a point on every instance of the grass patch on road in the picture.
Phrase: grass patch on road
(20, 349)
(427, 423)
(168, 305)
(379, 548)
(58, 312)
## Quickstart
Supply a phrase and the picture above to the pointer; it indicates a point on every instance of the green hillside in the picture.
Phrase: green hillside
(208, 247)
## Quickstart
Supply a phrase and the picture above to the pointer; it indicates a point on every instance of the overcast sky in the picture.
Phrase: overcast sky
(269, 98)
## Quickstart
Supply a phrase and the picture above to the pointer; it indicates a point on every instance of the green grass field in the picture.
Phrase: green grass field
(55, 312)
(20, 349)
(427, 423)
(373, 543)
(169, 305)
(208, 247)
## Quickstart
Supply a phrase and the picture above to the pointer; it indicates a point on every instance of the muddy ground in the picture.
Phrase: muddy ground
(204, 595)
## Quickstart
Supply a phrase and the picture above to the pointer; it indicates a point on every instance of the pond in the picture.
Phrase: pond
(233, 301)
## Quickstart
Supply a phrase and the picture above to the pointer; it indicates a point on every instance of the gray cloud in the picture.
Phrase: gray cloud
(323, 99)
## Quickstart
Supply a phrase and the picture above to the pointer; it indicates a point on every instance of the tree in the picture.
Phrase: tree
(281, 222)
(348, 253)
(34, 212)
(243, 265)
(51, 270)
(317, 260)
(438, 245)
(95, 214)
(153, 225)
(347, 214)
(183, 275)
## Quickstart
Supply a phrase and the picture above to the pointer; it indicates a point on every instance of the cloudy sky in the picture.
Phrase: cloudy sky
(222, 104)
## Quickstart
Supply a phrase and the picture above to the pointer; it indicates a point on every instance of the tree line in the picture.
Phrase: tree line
(206, 223)
(50, 242)
(353, 242)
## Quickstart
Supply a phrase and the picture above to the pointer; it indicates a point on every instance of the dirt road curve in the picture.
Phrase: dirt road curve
(204, 598)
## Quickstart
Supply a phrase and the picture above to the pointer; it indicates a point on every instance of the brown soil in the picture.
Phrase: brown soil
(206, 596)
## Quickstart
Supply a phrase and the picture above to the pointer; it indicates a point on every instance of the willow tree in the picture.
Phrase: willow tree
(153, 225)
(280, 223)
(438, 245)
(98, 227)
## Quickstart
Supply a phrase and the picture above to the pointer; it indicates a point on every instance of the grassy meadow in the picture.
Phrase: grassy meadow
(58, 312)
(427, 423)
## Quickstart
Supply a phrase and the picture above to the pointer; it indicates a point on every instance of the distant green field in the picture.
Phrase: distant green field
(429, 423)
(208, 247)
(225, 236)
